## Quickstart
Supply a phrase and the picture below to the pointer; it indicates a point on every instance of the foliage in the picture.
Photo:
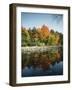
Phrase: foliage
(40, 37)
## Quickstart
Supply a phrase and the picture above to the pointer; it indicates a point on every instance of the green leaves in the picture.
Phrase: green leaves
(40, 37)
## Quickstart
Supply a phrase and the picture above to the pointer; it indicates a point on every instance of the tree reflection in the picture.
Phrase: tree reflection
(44, 60)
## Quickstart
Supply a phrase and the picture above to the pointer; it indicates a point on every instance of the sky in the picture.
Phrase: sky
(53, 21)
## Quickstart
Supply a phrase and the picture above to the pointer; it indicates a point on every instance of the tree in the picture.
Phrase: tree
(43, 33)
(40, 36)
(25, 37)
(60, 39)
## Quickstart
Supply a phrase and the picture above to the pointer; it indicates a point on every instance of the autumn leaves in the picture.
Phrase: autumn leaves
(40, 37)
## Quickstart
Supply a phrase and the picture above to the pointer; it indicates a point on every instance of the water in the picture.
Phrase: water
(47, 63)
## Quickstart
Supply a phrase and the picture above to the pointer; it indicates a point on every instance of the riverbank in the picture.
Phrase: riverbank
(37, 48)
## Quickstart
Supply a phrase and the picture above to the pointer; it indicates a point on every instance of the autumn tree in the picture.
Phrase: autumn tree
(44, 32)
(40, 36)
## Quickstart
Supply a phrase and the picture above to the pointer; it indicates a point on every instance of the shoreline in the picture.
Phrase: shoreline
(38, 48)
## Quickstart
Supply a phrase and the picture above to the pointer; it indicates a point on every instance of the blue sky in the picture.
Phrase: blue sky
(53, 21)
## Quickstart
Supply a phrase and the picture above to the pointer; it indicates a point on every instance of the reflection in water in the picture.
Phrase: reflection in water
(45, 63)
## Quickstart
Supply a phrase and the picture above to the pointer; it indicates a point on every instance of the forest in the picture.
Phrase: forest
(40, 37)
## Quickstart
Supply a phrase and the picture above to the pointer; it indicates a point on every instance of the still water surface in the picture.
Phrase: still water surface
(45, 63)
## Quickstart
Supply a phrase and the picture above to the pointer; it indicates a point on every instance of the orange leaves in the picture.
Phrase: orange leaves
(44, 32)
(41, 36)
